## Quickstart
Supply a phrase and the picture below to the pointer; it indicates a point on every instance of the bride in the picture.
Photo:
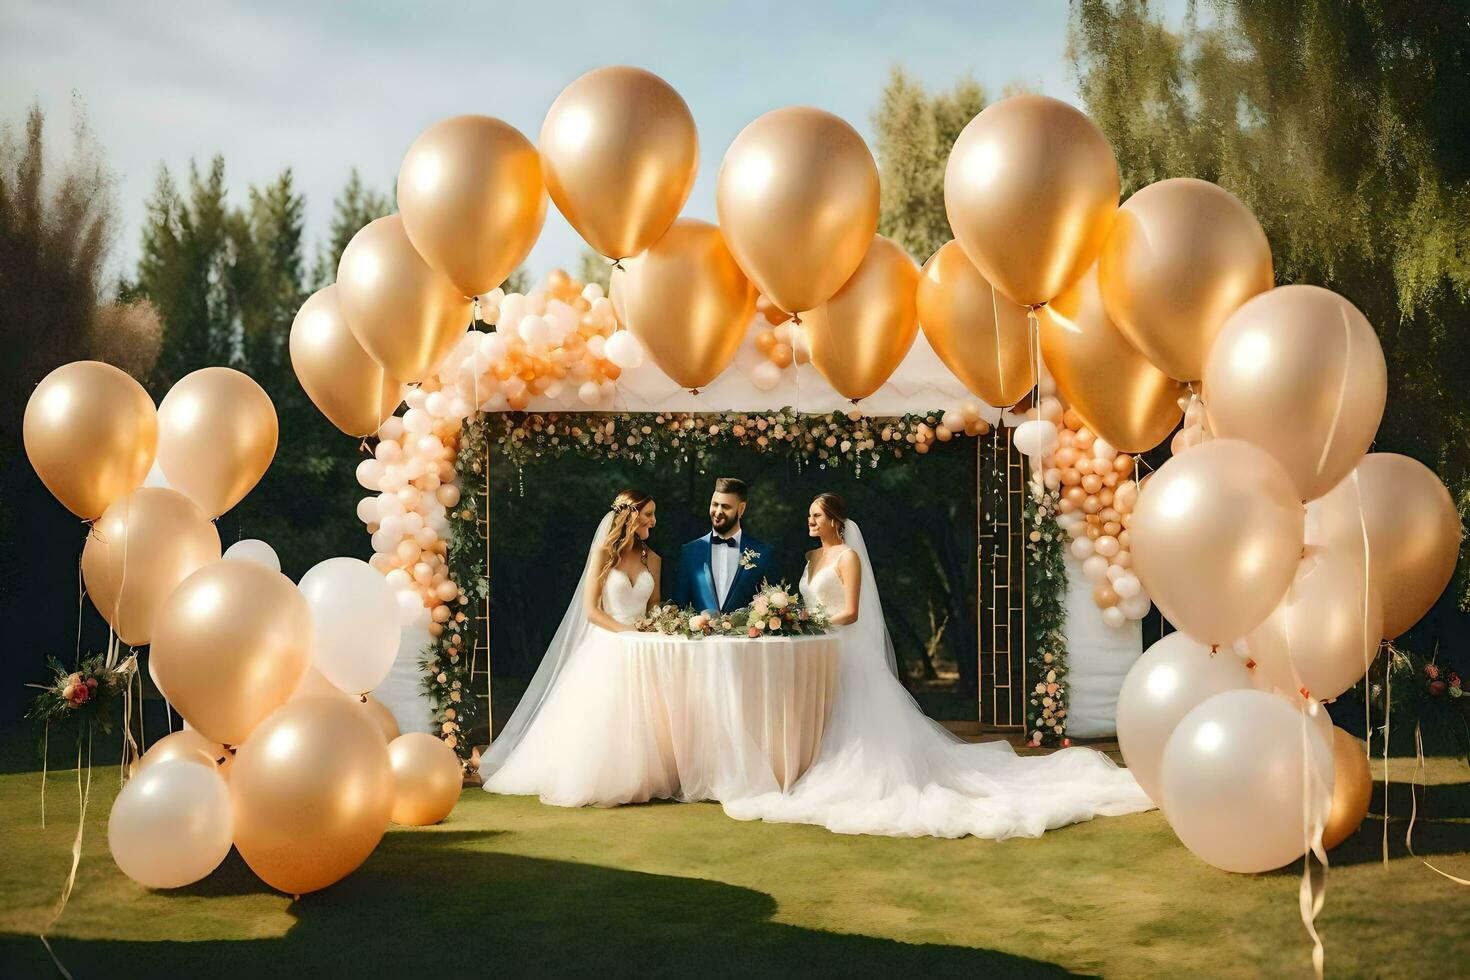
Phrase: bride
(583, 733)
(886, 768)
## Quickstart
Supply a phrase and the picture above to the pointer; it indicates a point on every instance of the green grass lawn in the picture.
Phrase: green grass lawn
(507, 887)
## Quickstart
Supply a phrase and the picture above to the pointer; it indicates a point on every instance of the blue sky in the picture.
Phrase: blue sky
(325, 87)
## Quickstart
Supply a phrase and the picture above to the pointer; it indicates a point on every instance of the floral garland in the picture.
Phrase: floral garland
(838, 439)
(1046, 622)
(775, 611)
(448, 661)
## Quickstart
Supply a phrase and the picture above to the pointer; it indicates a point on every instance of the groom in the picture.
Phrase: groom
(723, 570)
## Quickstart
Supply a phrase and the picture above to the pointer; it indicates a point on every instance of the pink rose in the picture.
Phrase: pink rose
(760, 607)
(775, 623)
(1431, 671)
(755, 631)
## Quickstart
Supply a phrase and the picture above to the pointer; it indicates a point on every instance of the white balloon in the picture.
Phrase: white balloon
(1103, 450)
(592, 292)
(370, 472)
(171, 824)
(590, 392)
(1095, 567)
(1127, 585)
(392, 428)
(437, 405)
(1233, 775)
(388, 451)
(553, 389)
(415, 399)
(1037, 438)
(765, 376)
(410, 605)
(1116, 572)
(367, 510)
(253, 550)
(1135, 606)
(417, 421)
(388, 505)
(496, 402)
(512, 308)
(1082, 547)
(597, 345)
(535, 331)
(494, 346)
(354, 620)
(1113, 617)
(624, 350)
(1165, 684)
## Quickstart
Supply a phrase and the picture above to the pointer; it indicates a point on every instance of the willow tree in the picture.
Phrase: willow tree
(1342, 126)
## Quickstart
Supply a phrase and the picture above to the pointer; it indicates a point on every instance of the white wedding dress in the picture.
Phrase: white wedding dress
(589, 738)
(886, 768)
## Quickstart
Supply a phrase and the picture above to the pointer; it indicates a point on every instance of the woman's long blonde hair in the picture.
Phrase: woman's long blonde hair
(623, 534)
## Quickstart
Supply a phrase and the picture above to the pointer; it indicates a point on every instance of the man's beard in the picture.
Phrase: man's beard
(723, 524)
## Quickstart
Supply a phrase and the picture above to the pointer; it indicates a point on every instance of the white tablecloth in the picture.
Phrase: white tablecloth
(735, 711)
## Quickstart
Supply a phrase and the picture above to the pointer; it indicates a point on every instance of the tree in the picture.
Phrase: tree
(354, 207)
(593, 267)
(1341, 125)
(915, 133)
(56, 231)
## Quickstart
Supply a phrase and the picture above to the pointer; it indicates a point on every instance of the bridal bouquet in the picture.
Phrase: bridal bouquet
(775, 611)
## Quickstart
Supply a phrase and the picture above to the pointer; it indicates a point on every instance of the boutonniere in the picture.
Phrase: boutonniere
(748, 558)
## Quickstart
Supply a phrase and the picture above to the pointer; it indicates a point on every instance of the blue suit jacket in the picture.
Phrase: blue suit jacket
(695, 585)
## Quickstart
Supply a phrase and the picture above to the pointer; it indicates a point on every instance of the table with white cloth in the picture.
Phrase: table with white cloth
(736, 715)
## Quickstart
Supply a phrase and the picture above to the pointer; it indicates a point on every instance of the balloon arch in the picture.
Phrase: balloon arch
(1272, 539)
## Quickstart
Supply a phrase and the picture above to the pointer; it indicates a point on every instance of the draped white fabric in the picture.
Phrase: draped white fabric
(402, 691)
(1098, 658)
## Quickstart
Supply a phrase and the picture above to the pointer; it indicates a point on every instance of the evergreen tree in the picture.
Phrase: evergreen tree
(354, 207)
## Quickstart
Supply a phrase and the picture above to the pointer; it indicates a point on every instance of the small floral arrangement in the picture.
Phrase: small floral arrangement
(1442, 683)
(85, 696)
(775, 611)
(748, 558)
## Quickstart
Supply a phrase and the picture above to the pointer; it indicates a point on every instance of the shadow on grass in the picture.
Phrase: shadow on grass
(430, 903)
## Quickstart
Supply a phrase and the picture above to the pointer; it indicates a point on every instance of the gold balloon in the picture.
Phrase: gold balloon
(1030, 189)
(1216, 539)
(687, 301)
(350, 388)
(90, 431)
(312, 789)
(619, 154)
(1299, 372)
(381, 717)
(859, 336)
(404, 314)
(1352, 789)
(1325, 632)
(427, 779)
(982, 337)
(797, 198)
(472, 199)
(1118, 391)
(230, 645)
(188, 745)
(138, 552)
(1182, 256)
(217, 435)
(1413, 532)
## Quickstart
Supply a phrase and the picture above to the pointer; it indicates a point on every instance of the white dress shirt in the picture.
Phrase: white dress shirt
(724, 561)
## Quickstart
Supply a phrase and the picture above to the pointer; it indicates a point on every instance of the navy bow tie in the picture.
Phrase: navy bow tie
(713, 540)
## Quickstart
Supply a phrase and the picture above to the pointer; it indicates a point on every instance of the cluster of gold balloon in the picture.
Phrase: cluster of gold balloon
(285, 756)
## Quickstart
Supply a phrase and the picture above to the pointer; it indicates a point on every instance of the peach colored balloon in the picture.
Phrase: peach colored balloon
(1171, 678)
(1030, 189)
(1299, 372)
(312, 791)
(1182, 256)
(90, 432)
(1412, 529)
(342, 381)
(1325, 632)
(687, 301)
(406, 315)
(1238, 782)
(1123, 397)
(619, 153)
(217, 434)
(188, 745)
(141, 548)
(315, 685)
(472, 199)
(381, 717)
(860, 336)
(1216, 538)
(797, 197)
(230, 645)
(171, 824)
(427, 779)
(1352, 789)
(982, 337)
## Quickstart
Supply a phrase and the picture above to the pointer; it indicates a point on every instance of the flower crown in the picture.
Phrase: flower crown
(624, 506)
